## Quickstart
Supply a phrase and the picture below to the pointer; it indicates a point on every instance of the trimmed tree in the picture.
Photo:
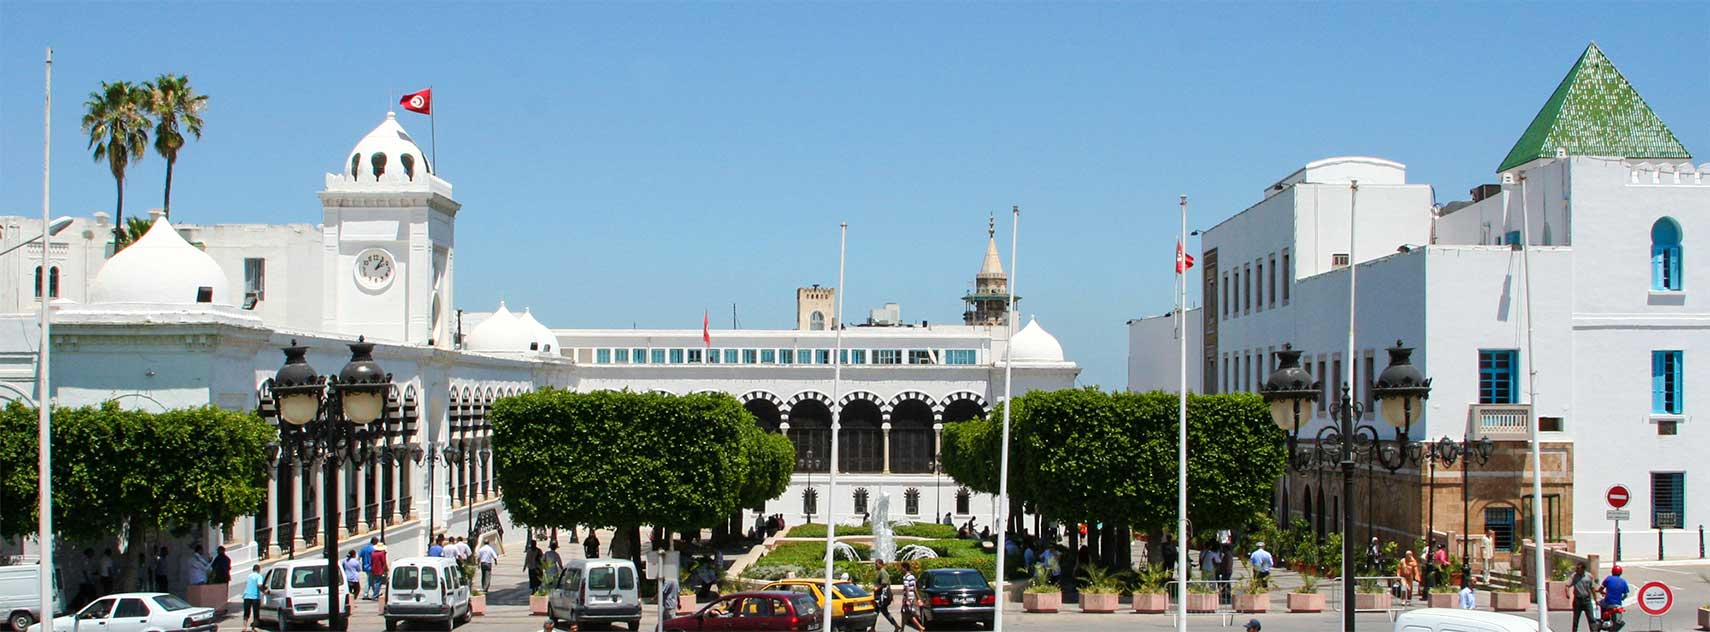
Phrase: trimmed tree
(622, 460)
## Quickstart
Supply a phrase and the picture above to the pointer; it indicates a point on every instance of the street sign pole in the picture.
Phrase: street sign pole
(1617, 497)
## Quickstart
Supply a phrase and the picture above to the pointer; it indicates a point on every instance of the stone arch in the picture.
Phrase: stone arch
(806, 396)
(961, 406)
(861, 446)
(810, 430)
(661, 391)
(912, 437)
(762, 395)
(915, 396)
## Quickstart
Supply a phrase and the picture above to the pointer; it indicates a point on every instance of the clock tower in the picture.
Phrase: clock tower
(388, 223)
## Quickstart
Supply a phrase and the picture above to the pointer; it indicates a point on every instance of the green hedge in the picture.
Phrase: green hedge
(810, 557)
(923, 530)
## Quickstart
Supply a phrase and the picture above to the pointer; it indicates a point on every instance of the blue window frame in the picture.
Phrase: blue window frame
(1496, 375)
(712, 356)
(694, 356)
(857, 356)
(1665, 255)
(1513, 237)
(1500, 522)
(1668, 500)
(658, 356)
(887, 356)
(603, 356)
(621, 355)
(638, 356)
(958, 356)
(1666, 383)
(920, 356)
(676, 356)
(785, 357)
(730, 356)
(749, 356)
(805, 356)
(768, 356)
(822, 356)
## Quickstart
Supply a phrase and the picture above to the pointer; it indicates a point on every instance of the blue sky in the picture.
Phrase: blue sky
(639, 163)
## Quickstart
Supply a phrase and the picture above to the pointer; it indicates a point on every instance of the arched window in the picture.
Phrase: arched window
(911, 501)
(38, 286)
(379, 163)
(409, 163)
(816, 321)
(53, 282)
(355, 161)
(963, 496)
(810, 501)
(860, 500)
(1665, 255)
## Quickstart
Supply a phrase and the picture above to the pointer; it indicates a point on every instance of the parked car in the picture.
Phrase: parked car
(1456, 620)
(295, 592)
(956, 595)
(765, 611)
(600, 590)
(852, 608)
(21, 595)
(427, 589)
(136, 612)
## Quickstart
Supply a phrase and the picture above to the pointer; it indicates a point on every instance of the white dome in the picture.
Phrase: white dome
(1034, 345)
(547, 341)
(502, 332)
(386, 147)
(159, 268)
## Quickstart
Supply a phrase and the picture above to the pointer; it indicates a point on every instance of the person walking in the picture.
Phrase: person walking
(1226, 571)
(159, 569)
(352, 566)
(911, 600)
(87, 577)
(1468, 599)
(1374, 557)
(1582, 588)
(1408, 570)
(106, 566)
(1262, 563)
(222, 567)
(487, 557)
(1252, 626)
(591, 546)
(252, 598)
(366, 555)
(882, 593)
(551, 556)
(377, 567)
(531, 565)
(198, 566)
(437, 549)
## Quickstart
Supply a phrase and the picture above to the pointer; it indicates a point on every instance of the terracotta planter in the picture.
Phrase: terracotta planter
(1510, 601)
(477, 605)
(1558, 596)
(1151, 603)
(537, 604)
(1372, 601)
(1014, 589)
(210, 596)
(1305, 602)
(1253, 603)
(1100, 603)
(686, 603)
(1041, 602)
(1443, 600)
(1202, 602)
(1704, 618)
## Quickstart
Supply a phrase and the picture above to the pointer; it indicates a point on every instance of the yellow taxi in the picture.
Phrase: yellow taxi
(852, 608)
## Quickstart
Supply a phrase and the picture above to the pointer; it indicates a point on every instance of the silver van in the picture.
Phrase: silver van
(295, 592)
(21, 595)
(1455, 620)
(600, 590)
(427, 589)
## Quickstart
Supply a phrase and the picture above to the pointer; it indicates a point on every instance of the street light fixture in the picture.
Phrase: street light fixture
(328, 419)
(1401, 389)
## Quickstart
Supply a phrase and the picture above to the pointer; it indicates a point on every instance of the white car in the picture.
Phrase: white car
(136, 612)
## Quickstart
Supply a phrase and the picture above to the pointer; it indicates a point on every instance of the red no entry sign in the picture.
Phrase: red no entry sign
(1617, 495)
(1655, 598)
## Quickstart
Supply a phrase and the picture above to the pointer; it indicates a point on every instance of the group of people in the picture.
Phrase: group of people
(1584, 589)
(537, 563)
(882, 597)
(1416, 577)
(766, 527)
(458, 548)
(99, 575)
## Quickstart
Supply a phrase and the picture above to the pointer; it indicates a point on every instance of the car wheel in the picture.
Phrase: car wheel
(21, 621)
(634, 625)
(391, 624)
(342, 624)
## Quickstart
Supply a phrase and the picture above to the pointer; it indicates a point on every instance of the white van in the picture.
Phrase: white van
(1455, 620)
(427, 589)
(600, 590)
(21, 595)
(295, 591)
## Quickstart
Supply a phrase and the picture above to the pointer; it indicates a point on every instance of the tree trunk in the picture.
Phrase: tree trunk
(119, 215)
(167, 212)
(127, 579)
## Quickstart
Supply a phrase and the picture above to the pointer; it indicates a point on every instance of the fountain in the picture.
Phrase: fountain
(915, 552)
(884, 542)
(843, 549)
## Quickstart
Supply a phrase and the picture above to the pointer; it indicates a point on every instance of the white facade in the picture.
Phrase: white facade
(1154, 344)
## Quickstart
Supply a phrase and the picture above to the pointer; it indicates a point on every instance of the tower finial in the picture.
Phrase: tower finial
(991, 226)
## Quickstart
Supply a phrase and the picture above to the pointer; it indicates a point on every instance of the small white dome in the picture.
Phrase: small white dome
(160, 268)
(546, 340)
(386, 154)
(502, 332)
(1034, 345)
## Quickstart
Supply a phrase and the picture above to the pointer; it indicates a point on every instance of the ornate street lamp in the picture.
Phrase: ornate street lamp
(329, 419)
(1401, 390)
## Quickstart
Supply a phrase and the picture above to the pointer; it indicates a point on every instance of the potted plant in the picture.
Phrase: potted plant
(1042, 595)
(1444, 597)
(1255, 595)
(1101, 592)
(1370, 595)
(1511, 599)
(1202, 597)
(1306, 597)
(1704, 610)
(210, 595)
(477, 598)
(1557, 587)
(1148, 588)
(537, 599)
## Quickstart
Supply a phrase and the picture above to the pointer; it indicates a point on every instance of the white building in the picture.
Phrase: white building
(191, 315)
(1603, 197)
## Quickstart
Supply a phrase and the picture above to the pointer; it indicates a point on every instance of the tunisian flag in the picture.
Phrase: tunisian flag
(1183, 259)
(706, 328)
(418, 102)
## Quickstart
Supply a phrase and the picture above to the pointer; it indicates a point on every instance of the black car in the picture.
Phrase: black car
(956, 595)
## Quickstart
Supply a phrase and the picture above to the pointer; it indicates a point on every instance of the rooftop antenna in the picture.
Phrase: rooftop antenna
(734, 323)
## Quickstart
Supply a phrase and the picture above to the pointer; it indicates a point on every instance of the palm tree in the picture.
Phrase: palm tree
(117, 124)
(171, 101)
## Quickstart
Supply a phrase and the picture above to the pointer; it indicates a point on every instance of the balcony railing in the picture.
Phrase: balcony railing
(1500, 421)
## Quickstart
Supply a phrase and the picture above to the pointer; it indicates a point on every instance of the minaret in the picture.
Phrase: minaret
(988, 303)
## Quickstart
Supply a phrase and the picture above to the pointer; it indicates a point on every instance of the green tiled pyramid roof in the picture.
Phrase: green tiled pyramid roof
(1595, 112)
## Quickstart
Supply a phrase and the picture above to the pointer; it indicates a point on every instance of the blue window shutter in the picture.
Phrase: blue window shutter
(1676, 386)
(1657, 372)
(1674, 267)
(1657, 275)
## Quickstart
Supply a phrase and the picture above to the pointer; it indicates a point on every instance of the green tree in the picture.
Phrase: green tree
(116, 119)
(126, 471)
(621, 459)
(771, 460)
(173, 102)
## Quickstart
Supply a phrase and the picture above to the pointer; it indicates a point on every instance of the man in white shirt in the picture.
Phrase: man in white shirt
(487, 557)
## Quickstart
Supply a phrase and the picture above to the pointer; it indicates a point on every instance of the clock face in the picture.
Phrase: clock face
(375, 268)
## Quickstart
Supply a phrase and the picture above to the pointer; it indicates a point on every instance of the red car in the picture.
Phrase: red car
(768, 611)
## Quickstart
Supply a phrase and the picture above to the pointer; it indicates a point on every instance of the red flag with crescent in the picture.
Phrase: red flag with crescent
(1183, 259)
(706, 328)
(419, 102)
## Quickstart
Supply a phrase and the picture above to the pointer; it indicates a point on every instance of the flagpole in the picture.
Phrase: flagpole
(433, 130)
(836, 424)
(1008, 406)
(1532, 420)
(44, 396)
(1181, 426)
